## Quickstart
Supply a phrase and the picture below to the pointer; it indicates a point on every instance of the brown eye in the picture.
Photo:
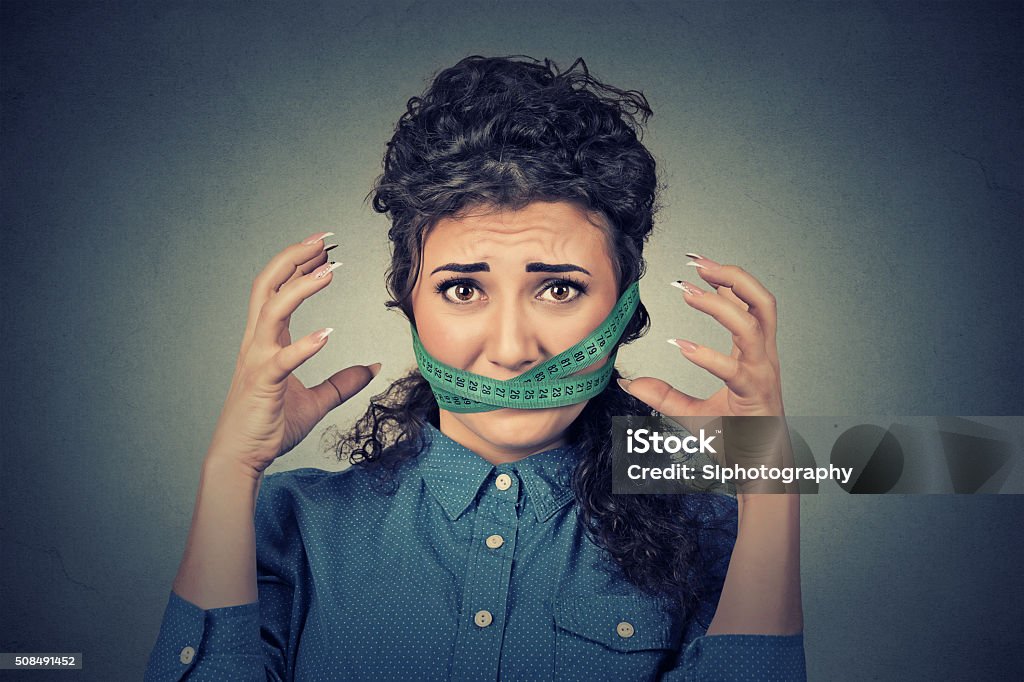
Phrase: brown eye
(459, 292)
(561, 292)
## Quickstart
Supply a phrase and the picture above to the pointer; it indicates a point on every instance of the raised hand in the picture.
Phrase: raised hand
(751, 376)
(751, 372)
(268, 411)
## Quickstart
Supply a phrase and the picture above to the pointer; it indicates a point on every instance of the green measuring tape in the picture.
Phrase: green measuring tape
(547, 385)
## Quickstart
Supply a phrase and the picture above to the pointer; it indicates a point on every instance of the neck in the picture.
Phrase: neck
(495, 453)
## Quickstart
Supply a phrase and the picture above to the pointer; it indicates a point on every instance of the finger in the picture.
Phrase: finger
(341, 386)
(769, 343)
(669, 402)
(310, 265)
(684, 285)
(278, 271)
(304, 269)
(760, 302)
(288, 359)
(728, 369)
(745, 328)
(727, 294)
(662, 397)
(273, 319)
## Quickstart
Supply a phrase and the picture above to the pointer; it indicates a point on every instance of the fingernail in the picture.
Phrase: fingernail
(322, 334)
(702, 262)
(624, 384)
(694, 255)
(314, 238)
(326, 268)
(374, 368)
(328, 247)
(687, 287)
(684, 344)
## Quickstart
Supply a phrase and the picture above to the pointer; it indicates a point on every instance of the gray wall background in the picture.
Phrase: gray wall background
(864, 160)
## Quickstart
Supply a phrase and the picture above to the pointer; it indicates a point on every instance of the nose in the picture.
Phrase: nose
(512, 342)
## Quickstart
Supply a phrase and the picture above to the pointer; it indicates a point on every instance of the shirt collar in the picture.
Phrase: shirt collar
(454, 474)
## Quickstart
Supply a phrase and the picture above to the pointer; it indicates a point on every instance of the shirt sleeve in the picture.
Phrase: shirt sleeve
(733, 658)
(247, 641)
(737, 658)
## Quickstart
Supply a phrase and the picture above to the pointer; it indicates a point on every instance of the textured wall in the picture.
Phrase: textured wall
(864, 160)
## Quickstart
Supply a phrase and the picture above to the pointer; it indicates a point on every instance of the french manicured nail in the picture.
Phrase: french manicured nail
(624, 384)
(684, 344)
(702, 262)
(323, 334)
(687, 287)
(314, 238)
(326, 268)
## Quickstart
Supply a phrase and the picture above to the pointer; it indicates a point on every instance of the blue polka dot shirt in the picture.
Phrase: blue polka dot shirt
(469, 571)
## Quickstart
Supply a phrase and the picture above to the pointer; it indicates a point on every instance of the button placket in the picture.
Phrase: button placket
(488, 576)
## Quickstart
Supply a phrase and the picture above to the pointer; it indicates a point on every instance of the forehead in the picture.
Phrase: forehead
(539, 230)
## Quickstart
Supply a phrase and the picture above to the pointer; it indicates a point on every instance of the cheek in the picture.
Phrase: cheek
(449, 340)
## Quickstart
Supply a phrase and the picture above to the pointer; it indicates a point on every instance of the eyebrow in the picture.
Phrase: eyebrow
(530, 267)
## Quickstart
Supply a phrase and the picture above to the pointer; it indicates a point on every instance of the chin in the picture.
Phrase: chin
(521, 428)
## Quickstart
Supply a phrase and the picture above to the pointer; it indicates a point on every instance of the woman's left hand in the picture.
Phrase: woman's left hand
(753, 387)
(751, 372)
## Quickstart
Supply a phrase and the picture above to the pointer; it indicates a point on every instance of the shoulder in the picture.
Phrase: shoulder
(312, 485)
(301, 479)
(293, 504)
(283, 494)
(353, 489)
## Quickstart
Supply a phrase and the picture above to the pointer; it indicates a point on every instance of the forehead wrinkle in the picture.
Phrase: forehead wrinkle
(550, 238)
(490, 249)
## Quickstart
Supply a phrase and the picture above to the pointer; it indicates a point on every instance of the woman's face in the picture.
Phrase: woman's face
(500, 293)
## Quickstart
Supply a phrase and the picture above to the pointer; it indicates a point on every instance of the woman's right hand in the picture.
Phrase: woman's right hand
(268, 411)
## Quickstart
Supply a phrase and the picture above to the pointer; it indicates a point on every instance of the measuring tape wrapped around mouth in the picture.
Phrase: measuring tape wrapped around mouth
(546, 385)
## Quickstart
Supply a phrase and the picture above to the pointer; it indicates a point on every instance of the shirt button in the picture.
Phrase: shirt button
(495, 541)
(186, 655)
(503, 481)
(624, 629)
(483, 618)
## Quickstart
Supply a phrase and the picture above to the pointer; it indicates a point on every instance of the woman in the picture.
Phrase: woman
(475, 535)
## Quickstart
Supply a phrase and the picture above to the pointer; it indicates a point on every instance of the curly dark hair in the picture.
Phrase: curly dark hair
(502, 133)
